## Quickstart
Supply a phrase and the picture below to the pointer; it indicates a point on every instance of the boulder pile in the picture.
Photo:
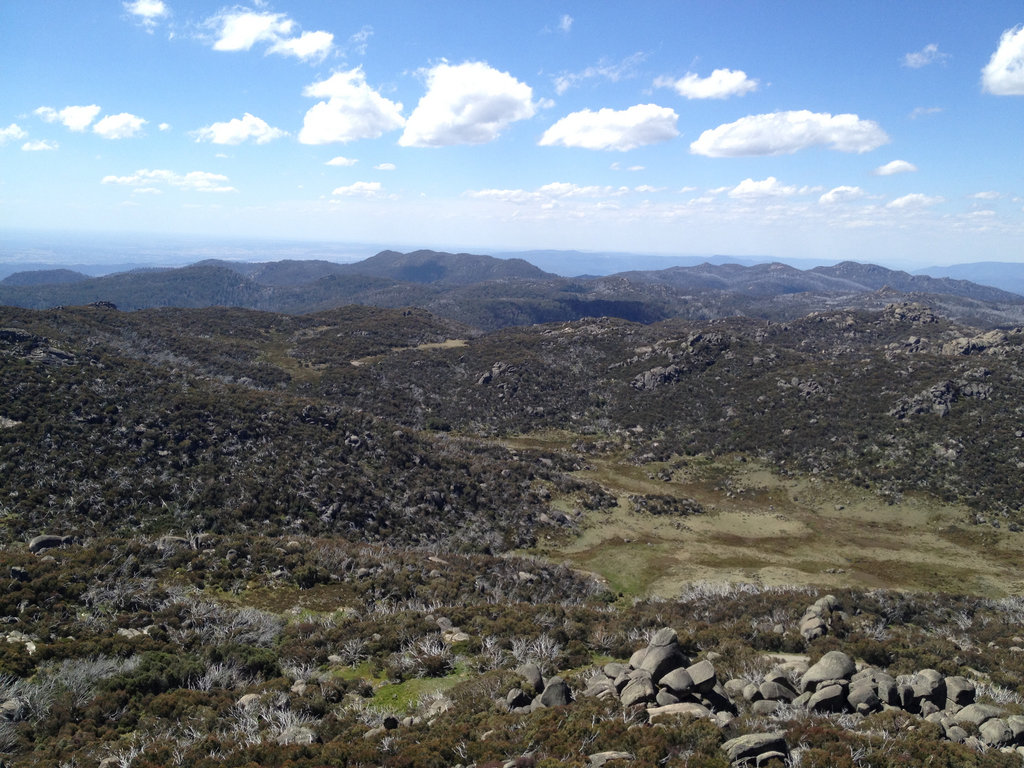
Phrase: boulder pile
(665, 683)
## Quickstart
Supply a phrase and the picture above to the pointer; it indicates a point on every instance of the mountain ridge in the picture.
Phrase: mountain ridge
(490, 293)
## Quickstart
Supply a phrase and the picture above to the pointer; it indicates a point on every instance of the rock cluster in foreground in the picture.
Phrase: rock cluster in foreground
(663, 682)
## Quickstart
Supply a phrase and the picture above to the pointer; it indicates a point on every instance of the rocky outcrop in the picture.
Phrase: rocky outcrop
(820, 618)
(661, 681)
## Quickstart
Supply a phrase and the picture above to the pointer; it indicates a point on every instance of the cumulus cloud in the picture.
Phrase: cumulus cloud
(344, 162)
(613, 72)
(841, 194)
(1004, 73)
(164, 126)
(352, 110)
(720, 84)
(12, 132)
(565, 23)
(147, 12)
(121, 126)
(194, 181)
(309, 45)
(771, 187)
(894, 167)
(40, 145)
(239, 29)
(915, 200)
(384, 167)
(783, 133)
(359, 189)
(930, 54)
(469, 103)
(74, 118)
(236, 130)
(987, 195)
(612, 129)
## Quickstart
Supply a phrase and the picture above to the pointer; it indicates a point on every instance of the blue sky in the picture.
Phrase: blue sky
(878, 131)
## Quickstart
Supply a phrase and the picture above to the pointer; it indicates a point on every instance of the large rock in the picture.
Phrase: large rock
(929, 685)
(834, 665)
(530, 673)
(774, 691)
(863, 698)
(662, 659)
(703, 675)
(678, 681)
(754, 744)
(48, 541)
(829, 698)
(664, 637)
(556, 693)
(977, 713)
(639, 690)
(995, 732)
(959, 690)
(601, 759)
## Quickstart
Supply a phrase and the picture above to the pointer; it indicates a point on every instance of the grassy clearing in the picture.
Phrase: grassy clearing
(404, 697)
(761, 527)
(446, 344)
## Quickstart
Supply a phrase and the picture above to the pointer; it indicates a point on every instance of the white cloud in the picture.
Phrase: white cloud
(565, 23)
(841, 194)
(924, 112)
(313, 46)
(360, 189)
(39, 145)
(74, 118)
(749, 189)
(915, 200)
(987, 195)
(930, 54)
(241, 30)
(893, 167)
(236, 130)
(352, 110)
(614, 129)
(195, 181)
(122, 126)
(147, 11)
(384, 167)
(1004, 73)
(12, 132)
(344, 162)
(611, 72)
(783, 133)
(720, 84)
(164, 126)
(468, 103)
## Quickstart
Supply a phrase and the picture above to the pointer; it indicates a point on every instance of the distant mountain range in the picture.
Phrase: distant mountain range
(489, 292)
